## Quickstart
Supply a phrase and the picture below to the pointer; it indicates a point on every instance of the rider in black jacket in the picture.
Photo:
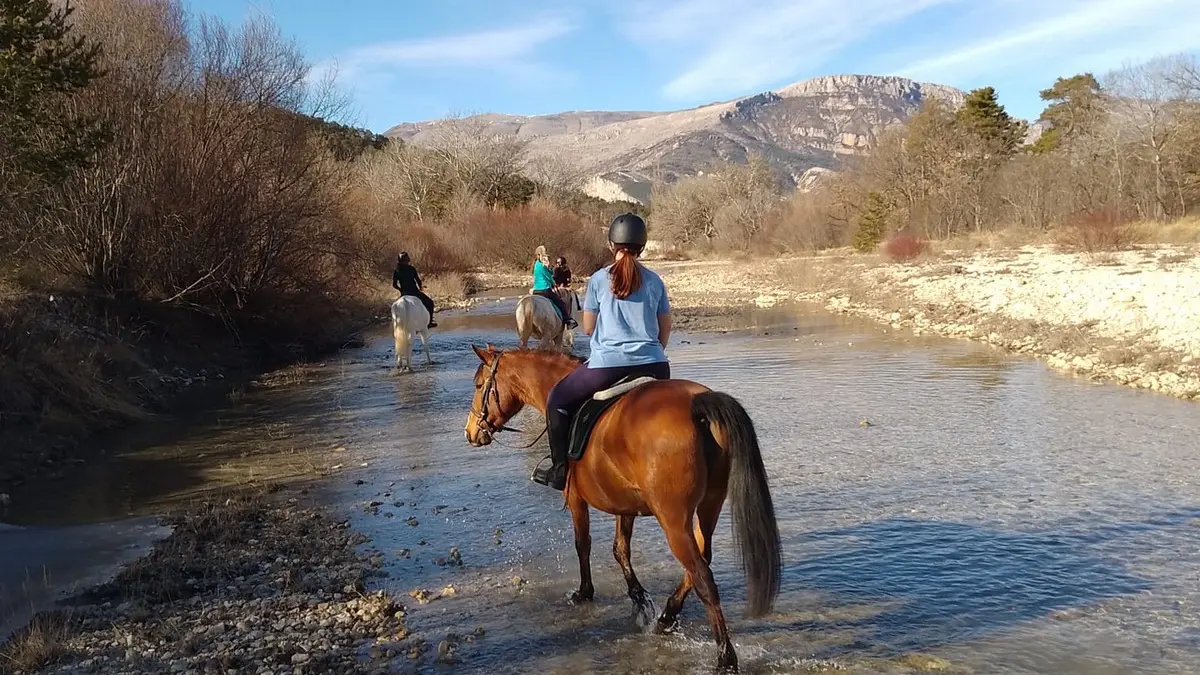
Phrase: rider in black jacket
(406, 280)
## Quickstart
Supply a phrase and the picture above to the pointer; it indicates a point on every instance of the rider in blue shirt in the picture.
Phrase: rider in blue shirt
(628, 315)
(543, 285)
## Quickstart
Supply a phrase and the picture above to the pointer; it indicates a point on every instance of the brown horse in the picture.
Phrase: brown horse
(671, 449)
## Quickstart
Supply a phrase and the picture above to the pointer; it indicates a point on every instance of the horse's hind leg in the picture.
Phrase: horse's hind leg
(425, 348)
(683, 544)
(706, 524)
(583, 547)
(643, 607)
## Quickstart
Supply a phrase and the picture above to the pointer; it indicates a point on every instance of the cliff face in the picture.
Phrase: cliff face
(815, 123)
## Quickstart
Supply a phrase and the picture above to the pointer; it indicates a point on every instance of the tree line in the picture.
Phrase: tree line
(151, 154)
(1123, 147)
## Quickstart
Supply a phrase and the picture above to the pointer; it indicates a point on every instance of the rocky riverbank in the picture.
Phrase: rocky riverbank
(259, 586)
(1130, 317)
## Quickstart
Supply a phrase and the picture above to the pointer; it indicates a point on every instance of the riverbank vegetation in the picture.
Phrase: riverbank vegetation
(1112, 162)
(182, 202)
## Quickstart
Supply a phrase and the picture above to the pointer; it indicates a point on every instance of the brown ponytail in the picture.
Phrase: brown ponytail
(625, 277)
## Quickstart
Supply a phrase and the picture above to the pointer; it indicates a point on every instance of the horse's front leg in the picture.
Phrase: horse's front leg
(643, 606)
(583, 547)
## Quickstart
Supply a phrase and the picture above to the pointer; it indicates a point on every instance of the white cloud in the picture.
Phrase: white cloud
(756, 43)
(726, 48)
(510, 51)
(1034, 35)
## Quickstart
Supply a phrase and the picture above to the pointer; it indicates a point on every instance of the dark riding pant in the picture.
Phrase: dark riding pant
(582, 383)
(568, 396)
(558, 302)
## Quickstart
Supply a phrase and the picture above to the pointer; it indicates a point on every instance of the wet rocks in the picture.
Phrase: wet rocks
(244, 587)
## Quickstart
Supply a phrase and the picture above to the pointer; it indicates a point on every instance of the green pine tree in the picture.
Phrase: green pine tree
(41, 62)
(1075, 107)
(872, 222)
(983, 117)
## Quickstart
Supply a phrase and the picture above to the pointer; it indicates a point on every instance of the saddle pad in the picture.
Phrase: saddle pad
(592, 409)
(621, 388)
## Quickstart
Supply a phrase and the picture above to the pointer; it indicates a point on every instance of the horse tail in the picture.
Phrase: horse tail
(400, 331)
(755, 531)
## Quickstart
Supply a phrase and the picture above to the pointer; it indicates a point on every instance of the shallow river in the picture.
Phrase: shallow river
(942, 506)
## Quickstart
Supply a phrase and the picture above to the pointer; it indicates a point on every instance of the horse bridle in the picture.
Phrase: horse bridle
(489, 392)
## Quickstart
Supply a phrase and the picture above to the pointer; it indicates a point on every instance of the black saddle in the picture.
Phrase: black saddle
(593, 409)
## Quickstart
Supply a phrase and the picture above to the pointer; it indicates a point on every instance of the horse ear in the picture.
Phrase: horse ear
(483, 356)
(492, 349)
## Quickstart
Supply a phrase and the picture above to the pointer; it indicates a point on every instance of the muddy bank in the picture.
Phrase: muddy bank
(75, 367)
(1128, 317)
(255, 585)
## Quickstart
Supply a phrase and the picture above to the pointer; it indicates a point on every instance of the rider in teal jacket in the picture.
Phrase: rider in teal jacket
(543, 285)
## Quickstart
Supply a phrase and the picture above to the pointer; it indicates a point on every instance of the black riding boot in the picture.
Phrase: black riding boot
(558, 423)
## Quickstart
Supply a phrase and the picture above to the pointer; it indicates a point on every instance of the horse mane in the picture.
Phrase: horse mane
(548, 358)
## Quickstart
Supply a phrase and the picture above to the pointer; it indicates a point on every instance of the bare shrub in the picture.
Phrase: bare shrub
(904, 246)
(728, 208)
(1106, 229)
(431, 251)
(448, 286)
(806, 223)
(507, 238)
(214, 194)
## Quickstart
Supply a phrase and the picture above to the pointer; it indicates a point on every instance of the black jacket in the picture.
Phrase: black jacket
(406, 280)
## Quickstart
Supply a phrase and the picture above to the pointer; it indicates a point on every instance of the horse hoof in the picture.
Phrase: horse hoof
(643, 616)
(576, 598)
(665, 626)
(727, 663)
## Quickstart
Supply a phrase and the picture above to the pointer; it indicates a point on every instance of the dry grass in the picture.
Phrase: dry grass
(1076, 236)
(476, 237)
(38, 645)
(1000, 238)
(450, 287)
(1182, 231)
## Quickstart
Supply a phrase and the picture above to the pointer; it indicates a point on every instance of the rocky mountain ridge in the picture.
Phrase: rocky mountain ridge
(804, 130)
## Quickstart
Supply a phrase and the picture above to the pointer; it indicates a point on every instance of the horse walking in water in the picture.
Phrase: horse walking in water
(536, 317)
(409, 318)
(671, 449)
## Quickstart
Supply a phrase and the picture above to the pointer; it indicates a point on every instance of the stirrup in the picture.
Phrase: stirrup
(542, 476)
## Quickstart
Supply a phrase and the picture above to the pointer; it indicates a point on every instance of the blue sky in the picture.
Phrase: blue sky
(408, 60)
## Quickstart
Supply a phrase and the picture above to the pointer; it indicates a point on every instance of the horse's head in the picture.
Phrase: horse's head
(495, 401)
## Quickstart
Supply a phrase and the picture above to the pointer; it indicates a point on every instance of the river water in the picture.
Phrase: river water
(941, 506)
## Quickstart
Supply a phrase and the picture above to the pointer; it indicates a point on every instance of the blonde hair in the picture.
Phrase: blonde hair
(540, 253)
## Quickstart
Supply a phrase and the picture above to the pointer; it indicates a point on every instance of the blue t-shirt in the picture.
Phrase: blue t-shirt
(626, 330)
(543, 278)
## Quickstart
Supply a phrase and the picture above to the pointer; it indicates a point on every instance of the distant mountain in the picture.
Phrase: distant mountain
(804, 130)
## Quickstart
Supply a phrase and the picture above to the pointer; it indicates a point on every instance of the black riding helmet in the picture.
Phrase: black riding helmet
(403, 257)
(628, 229)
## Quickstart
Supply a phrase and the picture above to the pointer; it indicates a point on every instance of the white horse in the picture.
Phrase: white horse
(409, 317)
(536, 317)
